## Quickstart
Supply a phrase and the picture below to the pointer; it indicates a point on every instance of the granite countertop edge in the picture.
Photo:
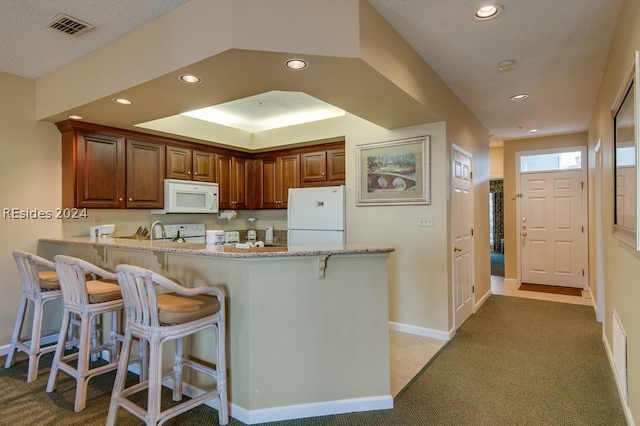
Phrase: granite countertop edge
(222, 251)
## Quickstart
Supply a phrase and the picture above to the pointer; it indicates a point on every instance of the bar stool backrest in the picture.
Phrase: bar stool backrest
(27, 268)
(138, 287)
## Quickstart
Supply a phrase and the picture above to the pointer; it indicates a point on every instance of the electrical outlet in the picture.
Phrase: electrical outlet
(97, 219)
(425, 221)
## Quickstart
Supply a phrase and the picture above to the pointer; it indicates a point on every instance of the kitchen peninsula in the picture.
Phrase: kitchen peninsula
(307, 327)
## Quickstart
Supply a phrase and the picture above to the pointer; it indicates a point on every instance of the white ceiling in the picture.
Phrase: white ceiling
(560, 48)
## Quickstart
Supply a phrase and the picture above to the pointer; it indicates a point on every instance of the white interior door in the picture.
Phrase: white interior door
(462, 232)
(551, 230)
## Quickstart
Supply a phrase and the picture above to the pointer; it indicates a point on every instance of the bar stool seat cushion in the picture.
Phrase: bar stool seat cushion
(49, 280)
(176, 309)
(103, 291)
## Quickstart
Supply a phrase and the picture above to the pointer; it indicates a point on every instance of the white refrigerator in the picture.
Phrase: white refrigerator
(316, 216)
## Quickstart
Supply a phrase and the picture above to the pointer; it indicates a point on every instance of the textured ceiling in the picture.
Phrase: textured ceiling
(31, 49)
(560, 48)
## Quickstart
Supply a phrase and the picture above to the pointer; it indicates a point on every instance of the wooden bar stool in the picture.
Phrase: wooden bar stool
(39, 287)
(157, 317)
(87, 299)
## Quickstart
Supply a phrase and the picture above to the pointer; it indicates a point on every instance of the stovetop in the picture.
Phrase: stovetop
(190, 230)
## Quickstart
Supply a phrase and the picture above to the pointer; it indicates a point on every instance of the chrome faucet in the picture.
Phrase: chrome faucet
(153, 225)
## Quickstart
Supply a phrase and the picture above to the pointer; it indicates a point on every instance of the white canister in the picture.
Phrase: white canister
(215, 237)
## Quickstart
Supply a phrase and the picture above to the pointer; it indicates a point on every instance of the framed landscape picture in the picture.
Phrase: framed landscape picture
(394, 172)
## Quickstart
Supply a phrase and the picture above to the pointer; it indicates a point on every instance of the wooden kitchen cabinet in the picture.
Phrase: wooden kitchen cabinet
(145, 175)
(93, 170)
(105, 171)
(322, 168)
(274, 177)
(233, 178)
(190, 164)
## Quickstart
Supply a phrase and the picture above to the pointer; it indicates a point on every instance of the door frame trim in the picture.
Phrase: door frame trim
(452, 235)
(599, 232)
(585, 205)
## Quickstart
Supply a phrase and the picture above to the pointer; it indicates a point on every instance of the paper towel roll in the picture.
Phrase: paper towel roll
(227, 214)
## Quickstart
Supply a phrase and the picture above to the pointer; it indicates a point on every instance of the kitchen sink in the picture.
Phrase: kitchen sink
(133, 237)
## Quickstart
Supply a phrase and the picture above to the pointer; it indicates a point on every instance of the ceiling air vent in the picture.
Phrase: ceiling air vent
(69, 25)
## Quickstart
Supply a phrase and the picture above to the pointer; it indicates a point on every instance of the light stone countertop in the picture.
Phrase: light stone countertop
(228, 251)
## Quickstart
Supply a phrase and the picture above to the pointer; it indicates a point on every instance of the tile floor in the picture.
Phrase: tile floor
(409, 353)
(498, 286)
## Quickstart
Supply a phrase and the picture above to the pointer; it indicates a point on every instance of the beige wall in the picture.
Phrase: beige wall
(621, 262)
(510, 222)
(30, 175)
(496, 162)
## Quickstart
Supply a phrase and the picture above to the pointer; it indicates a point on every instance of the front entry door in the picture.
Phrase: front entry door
(462, 232)
(552, 228)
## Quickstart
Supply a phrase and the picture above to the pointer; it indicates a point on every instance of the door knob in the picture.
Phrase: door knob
(456, 248)
(524, 234)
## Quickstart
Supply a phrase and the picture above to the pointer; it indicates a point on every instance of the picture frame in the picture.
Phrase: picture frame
(626, 140)
(394, 173)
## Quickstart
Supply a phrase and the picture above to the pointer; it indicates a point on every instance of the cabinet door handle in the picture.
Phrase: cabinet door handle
(195, 173)
(120, 199)
(130, 199)
(188, 172)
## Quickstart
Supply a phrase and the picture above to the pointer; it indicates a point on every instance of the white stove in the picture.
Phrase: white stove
(192, 232)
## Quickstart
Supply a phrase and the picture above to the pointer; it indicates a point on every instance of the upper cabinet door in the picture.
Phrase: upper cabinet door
(233, 178)
(240, 178)
(336, 164)
(145, 175)
(203, 166)
(100, 166)
(267, 183)
(178, 163)
(289, 177)
(314, 167)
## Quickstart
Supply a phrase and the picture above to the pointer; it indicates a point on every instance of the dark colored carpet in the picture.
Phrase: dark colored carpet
(497, 264)
(515, 362)
(540, 288)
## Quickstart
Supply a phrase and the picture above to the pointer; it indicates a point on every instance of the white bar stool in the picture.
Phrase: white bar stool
(87, 299)
(158, 317)
(39, 287)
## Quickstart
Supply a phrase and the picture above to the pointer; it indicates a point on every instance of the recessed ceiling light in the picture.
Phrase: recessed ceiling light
(75, 117)
(123, 101)
(296, 64)
(488, 12)
(519, 97)
(191, 79)
(534, 130)
(506, 65)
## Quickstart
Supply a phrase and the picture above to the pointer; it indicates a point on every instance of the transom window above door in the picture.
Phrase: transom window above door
(552, 161)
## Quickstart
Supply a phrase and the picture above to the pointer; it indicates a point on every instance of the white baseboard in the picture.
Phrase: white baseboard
(512, 281)
(625, 406)
(483, 299)
(292, 412)
(4, 349)
(421, 331)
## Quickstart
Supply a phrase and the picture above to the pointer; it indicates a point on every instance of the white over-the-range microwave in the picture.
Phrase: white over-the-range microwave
(184, 196)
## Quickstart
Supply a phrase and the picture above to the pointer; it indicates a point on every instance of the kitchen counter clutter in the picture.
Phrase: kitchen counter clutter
(307, 326)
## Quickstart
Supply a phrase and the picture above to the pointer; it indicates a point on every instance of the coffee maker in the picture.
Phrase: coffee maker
(251, 233)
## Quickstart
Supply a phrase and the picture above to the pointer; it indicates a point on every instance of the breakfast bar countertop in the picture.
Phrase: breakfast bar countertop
(226, 251)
